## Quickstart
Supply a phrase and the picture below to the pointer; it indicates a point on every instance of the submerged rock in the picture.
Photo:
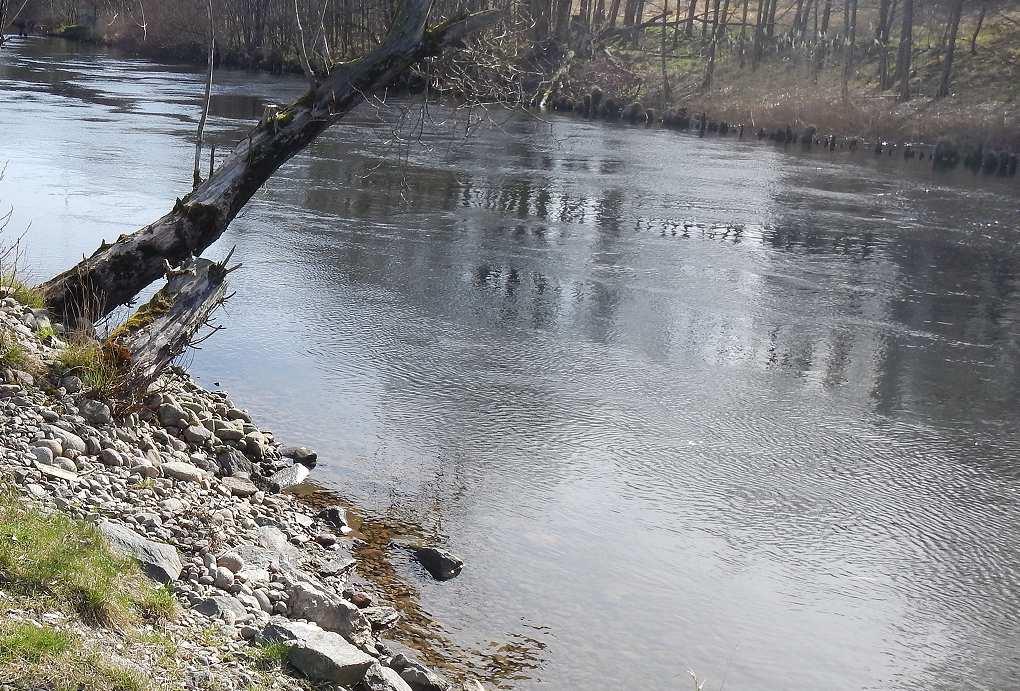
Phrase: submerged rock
(440, 563)
(418, 676)
(336, 516)
(300, 454)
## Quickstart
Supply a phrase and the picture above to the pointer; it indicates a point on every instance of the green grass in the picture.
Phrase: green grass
(26, 642)
(41, 657)
(68, 564)
(158, 604)
(12, 353)
(26, 295)
(86, 359)
(269, 655)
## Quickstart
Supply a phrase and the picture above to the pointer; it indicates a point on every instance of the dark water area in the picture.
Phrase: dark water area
(680, 403)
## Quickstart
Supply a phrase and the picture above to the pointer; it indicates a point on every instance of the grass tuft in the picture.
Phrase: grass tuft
(68, 562)
(41, 657)
(158, 604)
(270, 655)
(26, 295)
(86, 358)
(27, 642)
(12, 353)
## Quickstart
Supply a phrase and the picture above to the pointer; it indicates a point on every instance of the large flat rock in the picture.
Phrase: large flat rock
(319, 655)
(160, 561)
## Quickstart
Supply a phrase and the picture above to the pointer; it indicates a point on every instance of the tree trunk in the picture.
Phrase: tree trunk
(666, 95)
(115, 273)
(950, 52)
(540, 16)
(848, 66)
(882, 39)
(977, 29)
(562, 20)
(716, 35)
(906, 50)
(692, 11)
(743, 35)
(614, 12)
(164, 327)
(759, 28)
(772, 19)
(802, 32)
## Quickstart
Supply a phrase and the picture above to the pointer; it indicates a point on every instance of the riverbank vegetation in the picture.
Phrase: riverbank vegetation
(909, 70)
(64, 591)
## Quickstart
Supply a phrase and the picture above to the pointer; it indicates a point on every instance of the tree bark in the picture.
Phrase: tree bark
(115, 273)
(848, 66)
(882, 39)
(906, 50)
(692, 10)
(163, 328)
(743, 35)
(977, 29)
(759, 29)
(772, 19)
(720, 28)
(950, 50)
(614, 13)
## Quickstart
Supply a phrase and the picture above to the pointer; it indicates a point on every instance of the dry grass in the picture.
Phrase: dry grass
(23, 293)
(12, 353)
(66, 564)
(85, 357)
(984, 106)
(47, 659)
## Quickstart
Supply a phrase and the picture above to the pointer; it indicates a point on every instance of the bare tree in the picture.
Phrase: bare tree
(906, 50)
(197, 177)
(977, 28)
(949, 52)
(119, 271)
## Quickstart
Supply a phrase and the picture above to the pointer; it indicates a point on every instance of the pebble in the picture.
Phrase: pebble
(241, 549)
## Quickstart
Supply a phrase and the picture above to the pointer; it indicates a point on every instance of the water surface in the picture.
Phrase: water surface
(682, 404)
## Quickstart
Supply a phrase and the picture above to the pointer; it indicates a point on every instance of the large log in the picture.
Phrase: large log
(164, 327)
(115, 273)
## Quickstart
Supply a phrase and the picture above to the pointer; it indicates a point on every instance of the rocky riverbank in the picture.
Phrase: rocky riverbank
(190, 487)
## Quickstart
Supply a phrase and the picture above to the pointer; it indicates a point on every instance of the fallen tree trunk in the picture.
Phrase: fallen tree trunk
(164, 327)
(115, 273)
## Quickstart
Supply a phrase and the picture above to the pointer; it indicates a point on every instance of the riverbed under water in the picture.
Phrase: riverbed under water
(680, 403)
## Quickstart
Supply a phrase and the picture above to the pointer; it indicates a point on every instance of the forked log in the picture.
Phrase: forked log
(115, 273)
(164, 327)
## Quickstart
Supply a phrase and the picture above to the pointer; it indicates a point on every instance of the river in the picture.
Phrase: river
(680, 403)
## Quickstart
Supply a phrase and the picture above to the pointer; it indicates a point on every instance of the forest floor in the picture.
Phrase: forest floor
(982, 108)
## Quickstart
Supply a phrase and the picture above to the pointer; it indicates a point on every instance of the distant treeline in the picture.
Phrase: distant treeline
(279, 34)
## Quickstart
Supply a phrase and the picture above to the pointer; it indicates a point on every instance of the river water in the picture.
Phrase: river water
(680, 403)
